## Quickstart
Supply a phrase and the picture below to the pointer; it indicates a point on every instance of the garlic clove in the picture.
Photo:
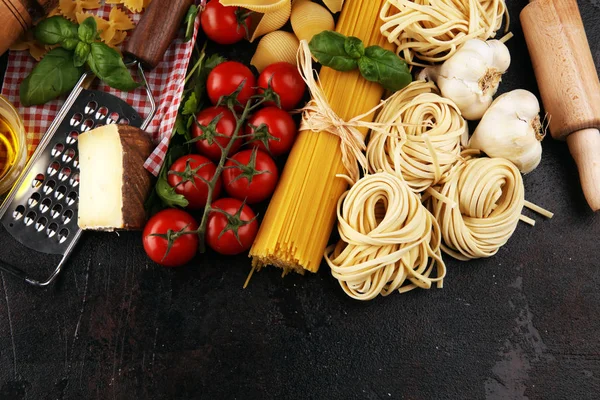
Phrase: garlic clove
(472, 75)
(511, 129)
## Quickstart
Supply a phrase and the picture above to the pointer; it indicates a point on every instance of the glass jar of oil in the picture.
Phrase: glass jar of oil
(13, 145)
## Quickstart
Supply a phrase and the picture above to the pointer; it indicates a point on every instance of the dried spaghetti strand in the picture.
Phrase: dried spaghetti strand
(389, 241)
(422, 138)
(430, 31)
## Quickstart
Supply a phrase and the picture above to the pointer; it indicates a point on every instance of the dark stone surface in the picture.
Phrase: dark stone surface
(523, 324)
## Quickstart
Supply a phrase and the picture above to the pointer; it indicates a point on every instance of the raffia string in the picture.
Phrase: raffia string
(318, 116)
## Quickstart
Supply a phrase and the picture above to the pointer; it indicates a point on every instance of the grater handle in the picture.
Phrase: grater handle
(155, 32)
(19, 273)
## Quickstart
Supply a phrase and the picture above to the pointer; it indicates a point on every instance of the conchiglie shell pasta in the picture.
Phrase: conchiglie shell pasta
(272, 21)
(334, 6)
(309, 19)
(275, 47)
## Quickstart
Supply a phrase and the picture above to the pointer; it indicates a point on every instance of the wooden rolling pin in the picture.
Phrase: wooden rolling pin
(18, 16)
(568, 83)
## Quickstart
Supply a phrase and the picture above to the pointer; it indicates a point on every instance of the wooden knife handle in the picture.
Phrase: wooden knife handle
(563, 65)
(156, 30)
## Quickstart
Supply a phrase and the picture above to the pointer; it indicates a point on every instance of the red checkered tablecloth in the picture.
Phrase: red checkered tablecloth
(166, 82)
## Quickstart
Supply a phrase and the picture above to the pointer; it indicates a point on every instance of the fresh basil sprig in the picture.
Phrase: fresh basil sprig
(61, 68)
(376, 64)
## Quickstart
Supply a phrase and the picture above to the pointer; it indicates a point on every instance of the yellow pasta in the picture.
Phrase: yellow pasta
(70, 8)
(334, 6)
(389, 241)
(431, 31)
(28, 42)
(478, 206)
(273, 14)
(309, 19)
(422, 139)
(135, 6)
(275, 47)
(301, 215)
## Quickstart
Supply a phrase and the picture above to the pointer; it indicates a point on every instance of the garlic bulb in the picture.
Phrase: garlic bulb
(511, 129)
(471, 76)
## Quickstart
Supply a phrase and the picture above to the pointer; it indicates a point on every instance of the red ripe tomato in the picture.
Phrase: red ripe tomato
(251, 175)
(226, 126)
(285, 80)
(226, 77)
(185, 176)
(185, 245)
(220, 230)
(280, 126)
(224, 25)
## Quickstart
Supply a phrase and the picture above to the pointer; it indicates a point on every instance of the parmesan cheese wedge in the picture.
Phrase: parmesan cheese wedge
(113, 181)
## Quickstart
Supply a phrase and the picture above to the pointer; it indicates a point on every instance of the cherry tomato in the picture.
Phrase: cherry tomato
(226, 77)
(184, 246)
(279, 124)
(253, 165)
(185, 176)
(220, 230)
(285, 80)
(224, 25)
(226, 126)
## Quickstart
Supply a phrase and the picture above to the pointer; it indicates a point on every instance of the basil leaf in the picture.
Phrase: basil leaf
(384, 66)
(55, 75)
(82, 51)
(108, 65)
(70, 43)
(190, 17)
(55, 30)
(88, 30)
(354, 47)
(328, 47)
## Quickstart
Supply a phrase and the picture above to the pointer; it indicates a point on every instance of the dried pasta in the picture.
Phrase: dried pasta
(301, 214)
(273, 14)
(275, 47)
(28, 42)
(389, 240)
(70, 8)
(478, 206)
(309, 19)
(430, 31)
(334, 6)
(135, 6)
(422, 141)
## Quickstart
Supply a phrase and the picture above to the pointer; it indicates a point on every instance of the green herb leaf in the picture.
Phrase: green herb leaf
(88, 30)
(168, 196)
(82, 51)
(55, 75)
(108, 65)
(329, 48)
(190, 106)
(190, 17)
(354, 47)
(70, 43)
(384, 66)
(55, 30)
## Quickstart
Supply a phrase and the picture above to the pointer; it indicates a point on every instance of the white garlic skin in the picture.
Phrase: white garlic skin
(471, 76)
(511, 129)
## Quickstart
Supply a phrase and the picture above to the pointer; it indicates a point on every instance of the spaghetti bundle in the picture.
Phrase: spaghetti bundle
(422, 139)
(389, 241)
(478, 206)
(301, 215)
(432, 30)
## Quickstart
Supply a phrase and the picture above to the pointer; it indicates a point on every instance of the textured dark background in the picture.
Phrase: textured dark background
(523, 324)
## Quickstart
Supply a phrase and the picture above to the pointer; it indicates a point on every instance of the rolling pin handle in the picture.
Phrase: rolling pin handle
(585, 149)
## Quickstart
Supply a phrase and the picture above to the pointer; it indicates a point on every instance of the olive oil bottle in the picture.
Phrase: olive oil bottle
(9, 147)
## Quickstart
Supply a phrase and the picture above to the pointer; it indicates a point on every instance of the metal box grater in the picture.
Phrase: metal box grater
(41, 210)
